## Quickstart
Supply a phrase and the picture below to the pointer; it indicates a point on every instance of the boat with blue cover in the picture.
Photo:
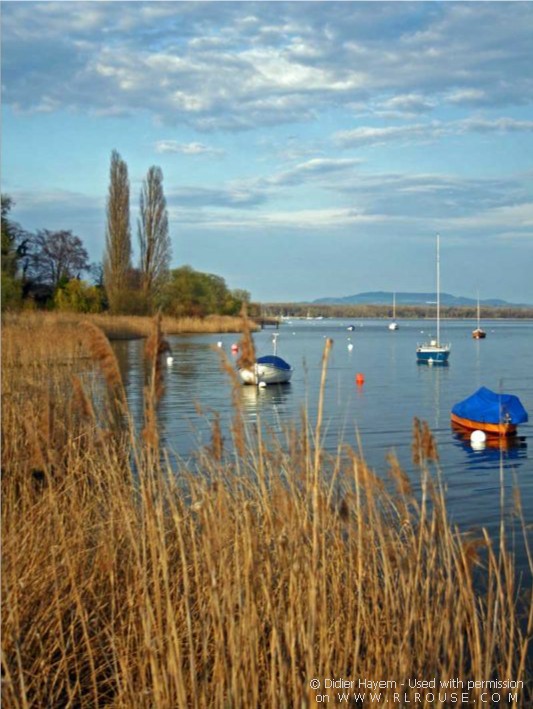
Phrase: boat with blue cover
(488, 411)
(269, 369)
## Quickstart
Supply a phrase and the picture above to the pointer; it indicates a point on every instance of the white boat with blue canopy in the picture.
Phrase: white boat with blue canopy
(269, 369)
(434, 352)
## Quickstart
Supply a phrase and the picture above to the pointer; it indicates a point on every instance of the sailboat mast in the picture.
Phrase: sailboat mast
(438, 289)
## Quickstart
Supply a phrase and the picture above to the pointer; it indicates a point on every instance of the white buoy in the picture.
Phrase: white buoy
(477, 439)
(170, 359)
(219, 343)
(478, 436)
(262, 385)
(350, 346)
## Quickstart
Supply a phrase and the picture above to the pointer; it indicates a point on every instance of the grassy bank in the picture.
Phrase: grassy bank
(117, 327)
(271, 564)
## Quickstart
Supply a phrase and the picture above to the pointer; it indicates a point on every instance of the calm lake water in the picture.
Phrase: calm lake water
(380, 412)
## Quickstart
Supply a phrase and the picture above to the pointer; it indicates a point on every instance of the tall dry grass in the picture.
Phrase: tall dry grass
(128, 582)
(117, 327)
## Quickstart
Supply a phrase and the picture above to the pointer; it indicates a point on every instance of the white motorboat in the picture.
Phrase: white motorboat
(269, 369)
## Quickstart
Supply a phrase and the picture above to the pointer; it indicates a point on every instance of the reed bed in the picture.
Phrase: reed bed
(129, 580)
(116, 327)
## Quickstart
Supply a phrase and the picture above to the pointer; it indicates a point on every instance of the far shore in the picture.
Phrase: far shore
(129, 327)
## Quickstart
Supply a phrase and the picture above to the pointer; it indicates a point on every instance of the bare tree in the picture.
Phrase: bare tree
(55, 256)
(154, 240)
(117, 257)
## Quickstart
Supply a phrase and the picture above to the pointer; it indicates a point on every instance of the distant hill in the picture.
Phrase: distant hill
(385, 298)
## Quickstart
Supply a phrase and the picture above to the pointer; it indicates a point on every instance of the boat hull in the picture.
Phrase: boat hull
(428, 354)
(491, 429)
(393, 326)
(265, 374)
(479, 334)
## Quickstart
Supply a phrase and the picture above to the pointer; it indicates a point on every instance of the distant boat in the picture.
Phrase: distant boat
(485, 410)
(478, 333)
(269, 369)
(433, 352)
(393, 325)
(350, 328)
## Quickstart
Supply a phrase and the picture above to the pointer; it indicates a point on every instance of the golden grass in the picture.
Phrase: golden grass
(118, 327)
(235, 584)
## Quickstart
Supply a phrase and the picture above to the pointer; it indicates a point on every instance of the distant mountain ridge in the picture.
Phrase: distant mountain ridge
(385, 298)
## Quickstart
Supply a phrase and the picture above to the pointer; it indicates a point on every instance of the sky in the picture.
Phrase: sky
(309, 149)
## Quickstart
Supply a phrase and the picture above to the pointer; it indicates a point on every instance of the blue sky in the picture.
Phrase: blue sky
(309, 149)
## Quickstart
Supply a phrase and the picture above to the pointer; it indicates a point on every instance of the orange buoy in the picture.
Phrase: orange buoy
(359, 378)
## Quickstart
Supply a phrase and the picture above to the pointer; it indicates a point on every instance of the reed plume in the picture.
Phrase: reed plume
(156, 346)
(246, 344)
(423, 446)
(102, 353)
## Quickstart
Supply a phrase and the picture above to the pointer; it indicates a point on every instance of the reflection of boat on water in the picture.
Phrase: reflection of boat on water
(433, 352)
(269, 369)
(485, 410)
(495, 451)
(255, 398)
(270, 404)
(513, 444)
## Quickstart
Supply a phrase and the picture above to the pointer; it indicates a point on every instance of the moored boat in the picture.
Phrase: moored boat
(488, 411)
(269, 369)
(433, 352)
(478, 333)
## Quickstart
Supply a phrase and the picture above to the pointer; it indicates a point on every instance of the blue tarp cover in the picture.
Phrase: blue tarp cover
(487, 406)
(274, 361)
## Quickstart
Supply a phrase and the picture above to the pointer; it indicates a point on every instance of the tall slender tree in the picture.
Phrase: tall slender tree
(117, 257)
(154, 239)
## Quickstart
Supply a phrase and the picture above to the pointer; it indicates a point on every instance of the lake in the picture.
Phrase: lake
(380, 412)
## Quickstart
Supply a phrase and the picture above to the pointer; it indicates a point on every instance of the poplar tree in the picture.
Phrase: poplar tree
(117, 257)
(154, 240)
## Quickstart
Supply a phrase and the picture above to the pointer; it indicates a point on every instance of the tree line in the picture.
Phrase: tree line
(52, 269)
(359, 310)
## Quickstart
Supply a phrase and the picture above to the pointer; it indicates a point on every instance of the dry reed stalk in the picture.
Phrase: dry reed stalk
(156, 346)
(102, 353)
(424, 448)
(247, 355)
(216, 448)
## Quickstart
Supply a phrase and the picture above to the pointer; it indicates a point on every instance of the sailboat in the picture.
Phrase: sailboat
(393, 325)
(478, 333)
(433, 352)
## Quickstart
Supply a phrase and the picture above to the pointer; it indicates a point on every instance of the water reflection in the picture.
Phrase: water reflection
(269, 404)
(509, 451)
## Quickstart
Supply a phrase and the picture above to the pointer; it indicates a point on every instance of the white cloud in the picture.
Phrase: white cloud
(240, 65)
(172, 146)
(371, 135)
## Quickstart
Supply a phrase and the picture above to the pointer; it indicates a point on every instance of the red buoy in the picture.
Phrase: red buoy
(359, 379)
(235, 348)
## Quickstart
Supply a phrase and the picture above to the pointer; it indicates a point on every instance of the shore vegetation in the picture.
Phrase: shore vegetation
(132, 579)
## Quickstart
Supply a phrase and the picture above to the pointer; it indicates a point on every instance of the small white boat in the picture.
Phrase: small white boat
(269, 369)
